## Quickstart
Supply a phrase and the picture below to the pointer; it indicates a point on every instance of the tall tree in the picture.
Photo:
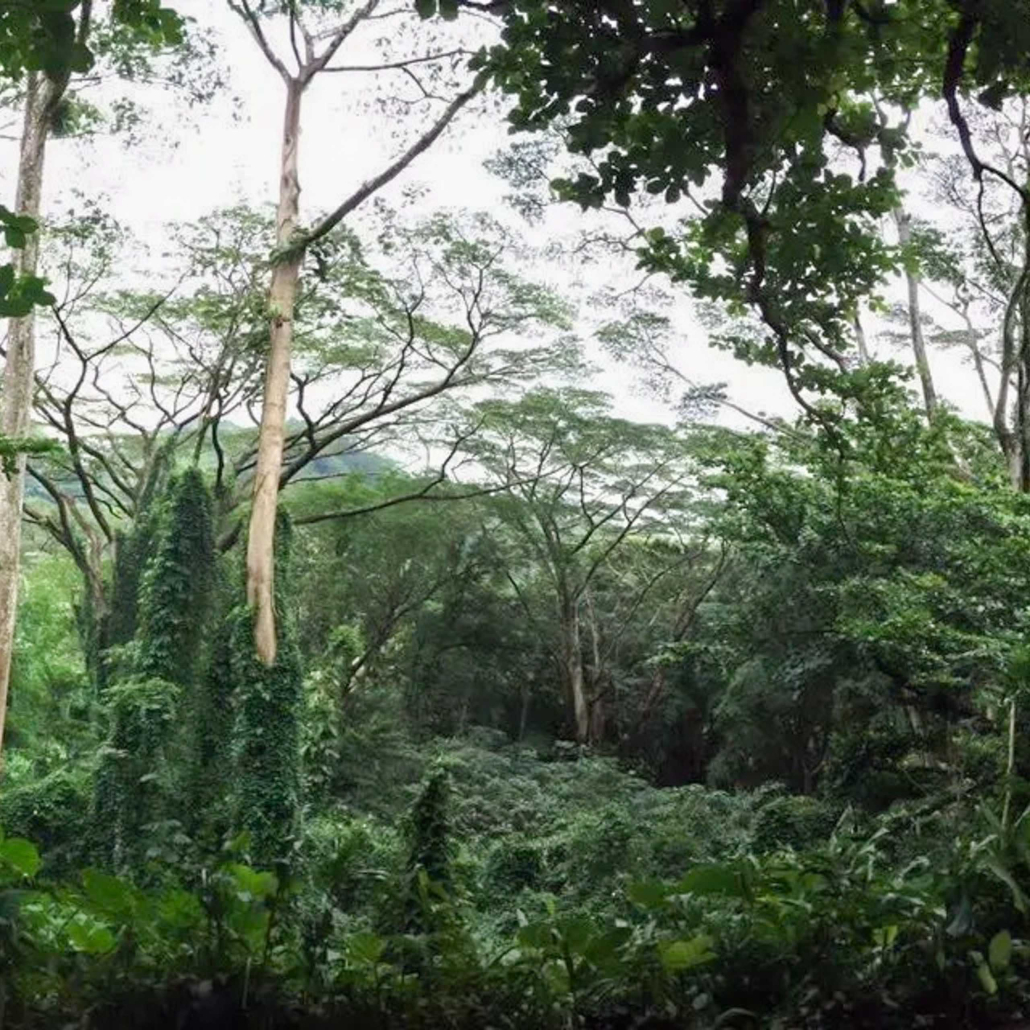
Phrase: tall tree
(59, 48)
(575, 483)
(385, 342)
(737, 110)
(312, 51)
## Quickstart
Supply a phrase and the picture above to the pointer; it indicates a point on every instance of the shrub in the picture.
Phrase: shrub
(794, 821)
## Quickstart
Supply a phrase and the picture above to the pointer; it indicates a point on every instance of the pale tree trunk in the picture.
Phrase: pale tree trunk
(915, 324)
(19, 370)
(598, 678)
(572, 668)
(282, 299)
(860, 340)
(286, 276)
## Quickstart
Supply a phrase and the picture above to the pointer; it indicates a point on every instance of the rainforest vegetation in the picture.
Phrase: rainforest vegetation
(400, 624)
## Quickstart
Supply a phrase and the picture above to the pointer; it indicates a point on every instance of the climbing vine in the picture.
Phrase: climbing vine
(266, 730)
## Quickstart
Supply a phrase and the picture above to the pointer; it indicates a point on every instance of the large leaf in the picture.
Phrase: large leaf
(366, 948)
(93, 939)
(999, 952)
(712, 879)
(110, 895)
(676, 956)
(648, 893)
(21, 855)
(253, 885)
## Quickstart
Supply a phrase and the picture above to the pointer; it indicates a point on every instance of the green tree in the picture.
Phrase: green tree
(387, 336)
(871, 612)
(430, 854)
(753, 118)
(573, 483)
(52, 42)
(138, 773)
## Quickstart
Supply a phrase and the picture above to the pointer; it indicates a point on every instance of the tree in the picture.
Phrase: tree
(320, 47)
(575, 483)
(972, 261)
(161, 668)
(737, 111)
(388, 566)
(864, 625)
(385, 339)
(48, 38)
(56, 42)
(265, 743)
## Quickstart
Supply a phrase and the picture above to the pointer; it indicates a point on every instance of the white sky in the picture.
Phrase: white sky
(222, 160)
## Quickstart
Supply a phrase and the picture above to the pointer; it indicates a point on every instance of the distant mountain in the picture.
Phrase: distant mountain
(234, 439)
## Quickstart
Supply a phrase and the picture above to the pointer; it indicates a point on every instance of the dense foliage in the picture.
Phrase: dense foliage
(530, 714)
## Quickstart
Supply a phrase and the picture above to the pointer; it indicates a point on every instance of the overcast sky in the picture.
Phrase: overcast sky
(227, 154)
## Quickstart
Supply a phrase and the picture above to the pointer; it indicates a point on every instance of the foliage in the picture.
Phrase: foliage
(265, 733)
(136, 779)
(43, 36)
(175, 587)
(575, 720)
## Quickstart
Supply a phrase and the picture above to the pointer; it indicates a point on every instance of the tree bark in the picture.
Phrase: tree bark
(860, 340)
(282, 299)
(19, 370)
(915, 324)
(572, 668)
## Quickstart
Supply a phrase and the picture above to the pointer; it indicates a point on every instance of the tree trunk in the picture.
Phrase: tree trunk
(572, 668)
(915, 324)
(598, 678)
(281, 301)
(860, 341)
(19, 371)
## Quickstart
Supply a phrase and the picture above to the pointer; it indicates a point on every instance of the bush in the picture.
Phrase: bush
(53, 811)
(514, 865)
(794, 821)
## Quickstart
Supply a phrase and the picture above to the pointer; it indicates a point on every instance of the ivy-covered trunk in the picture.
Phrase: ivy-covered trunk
(138, 774)
(41, 98)
(266, 727)
(281, 301)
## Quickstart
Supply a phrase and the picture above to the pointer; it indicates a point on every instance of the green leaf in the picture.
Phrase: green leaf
(677, 956)
(425, 8)
(648, 893)
(252, 883)
(1018, 897)
(21, 854)
(536, 935)
(987, 981)
(712, 879)
(93, 940)
(999, 952)
(449, 9)
(180, 910)
(367, 948)
(110, 895)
